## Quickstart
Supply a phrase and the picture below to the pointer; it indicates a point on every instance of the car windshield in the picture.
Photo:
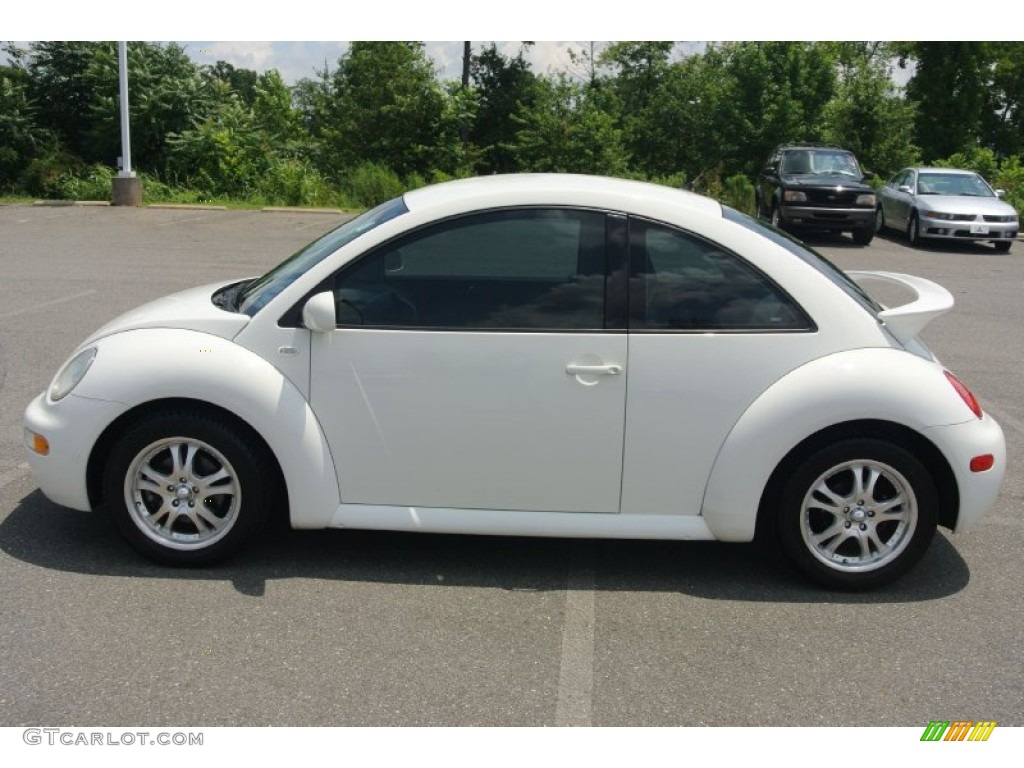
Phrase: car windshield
(971, 185)
(820, 161)
(260, 291)
(807, 255)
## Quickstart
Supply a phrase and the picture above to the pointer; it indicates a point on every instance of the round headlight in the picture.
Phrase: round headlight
(72, 373)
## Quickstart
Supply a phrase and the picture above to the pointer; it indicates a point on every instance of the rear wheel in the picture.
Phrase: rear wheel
(858, 514)
(185, 488)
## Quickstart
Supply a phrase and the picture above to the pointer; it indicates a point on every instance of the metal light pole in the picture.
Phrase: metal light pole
(127, 187)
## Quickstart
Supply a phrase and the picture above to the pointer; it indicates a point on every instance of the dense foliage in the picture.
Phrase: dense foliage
(382, 121)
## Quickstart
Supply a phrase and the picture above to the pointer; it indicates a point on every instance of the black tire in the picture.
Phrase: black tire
(1003, 246)
(863, 236)
(776, 217)
(914, 230)
(853, 536)
(879, 220)
(192, 517)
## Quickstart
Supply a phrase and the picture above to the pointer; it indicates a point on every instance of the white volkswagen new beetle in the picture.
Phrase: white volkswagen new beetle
(534, 355)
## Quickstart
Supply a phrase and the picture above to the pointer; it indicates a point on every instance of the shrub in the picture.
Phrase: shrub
(371, 184)
(41, 176)
(739, 193)
(295, 182)
(93, 183)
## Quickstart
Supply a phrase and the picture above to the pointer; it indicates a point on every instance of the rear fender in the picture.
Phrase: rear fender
(887, 385)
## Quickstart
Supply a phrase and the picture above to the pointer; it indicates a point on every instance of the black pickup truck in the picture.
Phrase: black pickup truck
(805, 186)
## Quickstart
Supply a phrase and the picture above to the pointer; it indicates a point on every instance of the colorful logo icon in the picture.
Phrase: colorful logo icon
(958, 730)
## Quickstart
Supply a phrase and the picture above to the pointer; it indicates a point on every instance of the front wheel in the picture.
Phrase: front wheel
(858, 514)
(1003, 246)
(879, 220)
(776, 219)
(185, 488)
(914, 230)
(863, 236)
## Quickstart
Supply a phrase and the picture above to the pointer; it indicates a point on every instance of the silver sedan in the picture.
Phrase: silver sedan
(946, 203)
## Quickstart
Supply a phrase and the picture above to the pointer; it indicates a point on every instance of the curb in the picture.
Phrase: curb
(290, 209)
(65, 203)
(188, 206)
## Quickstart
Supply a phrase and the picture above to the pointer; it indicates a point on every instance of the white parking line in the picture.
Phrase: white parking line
(8, 477)
(576, 675)
(43, 305)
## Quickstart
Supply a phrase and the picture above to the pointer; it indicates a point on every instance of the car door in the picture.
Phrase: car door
(902, 201)
(708, 334)
(471, 367)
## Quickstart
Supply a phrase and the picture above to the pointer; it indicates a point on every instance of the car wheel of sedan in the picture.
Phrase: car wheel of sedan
(863, 236)
(1003, 246)
(858, 514)
(914, 230)
(186, 489)
(879, 220)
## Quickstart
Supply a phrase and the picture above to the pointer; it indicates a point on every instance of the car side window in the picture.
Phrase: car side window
(680, 282)
(519, 269)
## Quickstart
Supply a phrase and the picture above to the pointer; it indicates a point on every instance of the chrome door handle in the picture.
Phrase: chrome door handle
(612, 369)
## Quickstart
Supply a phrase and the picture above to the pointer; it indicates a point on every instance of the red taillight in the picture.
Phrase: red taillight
(965, 393)
(983, 463)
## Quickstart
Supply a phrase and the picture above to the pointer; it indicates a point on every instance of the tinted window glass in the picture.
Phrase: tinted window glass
(518, 269)
(681, 282)
(260, 291)
(807, 255)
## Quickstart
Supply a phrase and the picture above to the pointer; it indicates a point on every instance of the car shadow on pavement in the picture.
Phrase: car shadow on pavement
(43, 534)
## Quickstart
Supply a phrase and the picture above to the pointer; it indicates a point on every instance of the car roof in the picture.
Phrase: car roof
(934, 169)
(556, 189)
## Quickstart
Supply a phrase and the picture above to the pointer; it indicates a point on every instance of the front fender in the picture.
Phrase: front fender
(883, 384)
(140, 366)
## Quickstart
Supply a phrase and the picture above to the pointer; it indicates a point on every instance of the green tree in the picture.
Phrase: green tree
(950, 85)
(387, 108)
(503, 86)
(775, 92)
(869, 116)
(639, 79)
(568, 129)
(21, 138)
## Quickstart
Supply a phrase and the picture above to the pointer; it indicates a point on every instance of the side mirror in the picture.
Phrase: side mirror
(769, 170)
(318, 314)
(1000, 193)
(869, 175)
(906, 190)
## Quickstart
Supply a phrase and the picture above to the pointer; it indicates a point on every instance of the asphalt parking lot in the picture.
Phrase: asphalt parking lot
(366, 628)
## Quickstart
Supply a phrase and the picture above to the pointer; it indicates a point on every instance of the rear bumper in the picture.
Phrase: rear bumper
(827, 218)
(960, 443)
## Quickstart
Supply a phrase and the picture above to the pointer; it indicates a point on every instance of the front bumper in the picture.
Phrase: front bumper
(960, 443)
(71, 426)
(827, 218)
(962, 230)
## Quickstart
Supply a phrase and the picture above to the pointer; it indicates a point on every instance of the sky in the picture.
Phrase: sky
(213, 31)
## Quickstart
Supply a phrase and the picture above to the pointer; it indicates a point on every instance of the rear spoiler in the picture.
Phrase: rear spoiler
(907, 320)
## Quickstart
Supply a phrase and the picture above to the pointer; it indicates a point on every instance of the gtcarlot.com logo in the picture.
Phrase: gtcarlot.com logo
(75, 737)
(958, 730)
